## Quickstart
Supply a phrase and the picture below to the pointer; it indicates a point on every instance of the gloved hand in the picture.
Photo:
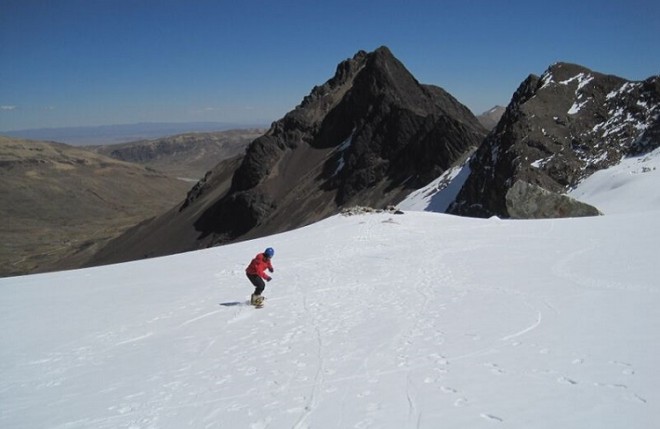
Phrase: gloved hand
(269, 279)
(272, 270)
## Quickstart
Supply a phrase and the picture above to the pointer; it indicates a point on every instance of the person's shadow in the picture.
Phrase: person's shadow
(232, 303)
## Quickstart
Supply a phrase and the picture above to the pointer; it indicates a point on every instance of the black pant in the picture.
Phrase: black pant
(258, 283)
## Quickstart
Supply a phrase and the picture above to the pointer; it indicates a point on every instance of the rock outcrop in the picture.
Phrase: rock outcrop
(527, 201)
(558, 129)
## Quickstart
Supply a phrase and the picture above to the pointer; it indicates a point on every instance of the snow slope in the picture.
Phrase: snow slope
(632, 186)
(438, 195)
(372, 321)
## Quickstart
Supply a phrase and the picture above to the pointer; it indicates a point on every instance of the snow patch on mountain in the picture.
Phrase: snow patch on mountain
(343, 147)
(620, 118)
(630, 186)
(440, 193)
(583, 80)
(577, 105)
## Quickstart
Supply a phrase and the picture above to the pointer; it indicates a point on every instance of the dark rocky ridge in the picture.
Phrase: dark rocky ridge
(558, 129)
(368, 136)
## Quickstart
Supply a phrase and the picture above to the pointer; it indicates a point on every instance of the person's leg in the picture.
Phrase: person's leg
(258, 282)
(259, 289)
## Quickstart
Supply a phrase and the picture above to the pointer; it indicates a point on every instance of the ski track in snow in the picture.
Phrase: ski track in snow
(526, 330)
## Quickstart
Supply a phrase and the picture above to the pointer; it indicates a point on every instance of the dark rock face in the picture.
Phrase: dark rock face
(558, 129)
(367, 136)
(364, 137)
(527, 201)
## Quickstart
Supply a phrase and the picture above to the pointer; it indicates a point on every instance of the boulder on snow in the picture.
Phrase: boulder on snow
(527, 201)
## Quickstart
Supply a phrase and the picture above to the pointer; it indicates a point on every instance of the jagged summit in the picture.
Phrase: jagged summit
(366, 130)
(559, 128)
(367, 136)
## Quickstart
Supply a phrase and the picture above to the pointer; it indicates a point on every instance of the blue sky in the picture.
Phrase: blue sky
(100, 62)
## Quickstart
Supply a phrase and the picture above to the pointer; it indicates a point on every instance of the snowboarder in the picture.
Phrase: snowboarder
(256, 273)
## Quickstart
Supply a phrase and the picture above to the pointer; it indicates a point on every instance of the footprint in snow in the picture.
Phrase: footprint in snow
(627, 368)
(635, 397)
(492, 417)
(364, 394)
(460, 402)
(565, 380)
(261, 424)
(494, 368)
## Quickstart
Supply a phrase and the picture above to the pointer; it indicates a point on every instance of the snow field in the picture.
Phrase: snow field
(414, 320)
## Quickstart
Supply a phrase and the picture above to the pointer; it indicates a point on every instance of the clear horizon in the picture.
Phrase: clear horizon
(78, 63)
(145, 123)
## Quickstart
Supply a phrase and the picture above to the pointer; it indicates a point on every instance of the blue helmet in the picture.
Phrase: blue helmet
(270, 252)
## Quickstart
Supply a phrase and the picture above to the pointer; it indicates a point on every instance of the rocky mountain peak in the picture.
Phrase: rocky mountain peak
(324, 97)
(367, 136)
(369, 77)
(558, 129)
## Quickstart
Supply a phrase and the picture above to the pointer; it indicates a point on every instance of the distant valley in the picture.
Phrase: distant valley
(186, 156)
(60, 204)
(121, 133)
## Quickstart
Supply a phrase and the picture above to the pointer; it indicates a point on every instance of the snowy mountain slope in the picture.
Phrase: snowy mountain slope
(438, 195)
(382, 321)
(631, 186)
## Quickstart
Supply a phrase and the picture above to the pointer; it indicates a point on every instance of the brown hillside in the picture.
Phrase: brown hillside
(59, 202)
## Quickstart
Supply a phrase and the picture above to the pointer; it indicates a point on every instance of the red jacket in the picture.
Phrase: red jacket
(258, 265)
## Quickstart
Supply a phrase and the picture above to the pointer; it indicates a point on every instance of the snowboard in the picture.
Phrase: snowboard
(258, 302)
